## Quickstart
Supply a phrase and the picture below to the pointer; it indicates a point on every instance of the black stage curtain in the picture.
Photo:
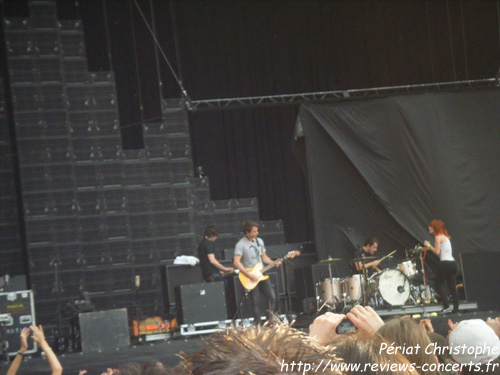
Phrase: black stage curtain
(386, 167)
(251, 160)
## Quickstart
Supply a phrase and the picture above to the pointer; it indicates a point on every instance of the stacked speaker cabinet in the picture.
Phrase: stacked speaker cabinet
(96, 215)
(10, 245)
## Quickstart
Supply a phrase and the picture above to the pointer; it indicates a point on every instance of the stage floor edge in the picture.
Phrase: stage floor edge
(424, 309)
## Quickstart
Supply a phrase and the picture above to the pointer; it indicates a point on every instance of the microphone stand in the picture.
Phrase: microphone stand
(288, 298)
(240, 305)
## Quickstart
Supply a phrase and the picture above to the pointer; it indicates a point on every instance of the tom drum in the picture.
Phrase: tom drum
(409, 268)
(330, 291)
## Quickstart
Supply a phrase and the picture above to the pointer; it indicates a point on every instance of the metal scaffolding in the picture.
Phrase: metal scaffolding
(339, 95)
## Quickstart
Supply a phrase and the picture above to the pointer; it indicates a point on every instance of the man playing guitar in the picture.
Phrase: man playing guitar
(248, 252)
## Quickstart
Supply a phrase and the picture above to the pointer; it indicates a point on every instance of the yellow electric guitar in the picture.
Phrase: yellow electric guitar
(258, 271)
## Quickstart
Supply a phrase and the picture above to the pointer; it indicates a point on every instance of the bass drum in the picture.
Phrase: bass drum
(393, 286)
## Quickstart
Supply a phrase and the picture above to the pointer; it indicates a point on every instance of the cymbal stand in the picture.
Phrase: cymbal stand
(376, 295)
(365, 276)
(427, 292)
(344, 295)
(331, 297)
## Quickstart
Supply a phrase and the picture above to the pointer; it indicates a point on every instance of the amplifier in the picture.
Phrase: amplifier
(200, 303)
(18, 312)
(175, 275)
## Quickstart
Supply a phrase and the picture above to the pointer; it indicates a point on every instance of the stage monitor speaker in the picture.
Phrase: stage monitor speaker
(199, 303)
(246, 309)
(481, 278)
(17, 311)
(104, 330)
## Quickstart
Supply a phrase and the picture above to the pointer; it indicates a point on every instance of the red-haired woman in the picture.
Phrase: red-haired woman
(447, 272)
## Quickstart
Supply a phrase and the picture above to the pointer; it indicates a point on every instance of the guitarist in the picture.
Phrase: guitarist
(211, 269)
(249, 251)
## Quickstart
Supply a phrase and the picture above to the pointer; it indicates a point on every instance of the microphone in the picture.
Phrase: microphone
(137, 281)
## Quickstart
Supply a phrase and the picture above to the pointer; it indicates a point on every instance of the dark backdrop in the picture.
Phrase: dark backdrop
(224, 49)
(387, 167)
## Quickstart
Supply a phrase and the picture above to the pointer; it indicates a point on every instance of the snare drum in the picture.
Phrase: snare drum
(354, 287)
(409, 268)
(329, 291)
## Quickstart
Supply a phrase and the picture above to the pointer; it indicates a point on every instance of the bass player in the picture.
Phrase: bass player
(249, 251)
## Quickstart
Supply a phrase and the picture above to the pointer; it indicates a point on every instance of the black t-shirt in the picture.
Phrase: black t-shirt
(204, 248)
(359, 253)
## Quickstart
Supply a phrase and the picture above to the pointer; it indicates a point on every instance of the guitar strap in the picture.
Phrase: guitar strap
(259, 247)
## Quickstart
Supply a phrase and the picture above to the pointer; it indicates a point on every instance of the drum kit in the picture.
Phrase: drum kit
(404, 285)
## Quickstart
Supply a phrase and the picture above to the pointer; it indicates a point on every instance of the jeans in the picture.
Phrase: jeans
(265, 287)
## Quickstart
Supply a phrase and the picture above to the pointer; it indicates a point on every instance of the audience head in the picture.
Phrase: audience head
(147, 368)
(357, 349)
(405, 331)
(471, 334)
(256, 350)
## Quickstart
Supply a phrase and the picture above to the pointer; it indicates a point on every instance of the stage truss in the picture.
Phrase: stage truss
(338, 95)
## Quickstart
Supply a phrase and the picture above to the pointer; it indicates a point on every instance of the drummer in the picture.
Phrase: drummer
(369, 248)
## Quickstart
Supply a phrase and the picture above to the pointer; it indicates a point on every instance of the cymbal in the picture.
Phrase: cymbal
(331, 260)
(363, 259)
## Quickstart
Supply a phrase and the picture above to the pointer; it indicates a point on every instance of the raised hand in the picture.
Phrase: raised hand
(23, 338)
(38, 335)
(365, 319)
(323, 329)
(426, 324)
(452, 327)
